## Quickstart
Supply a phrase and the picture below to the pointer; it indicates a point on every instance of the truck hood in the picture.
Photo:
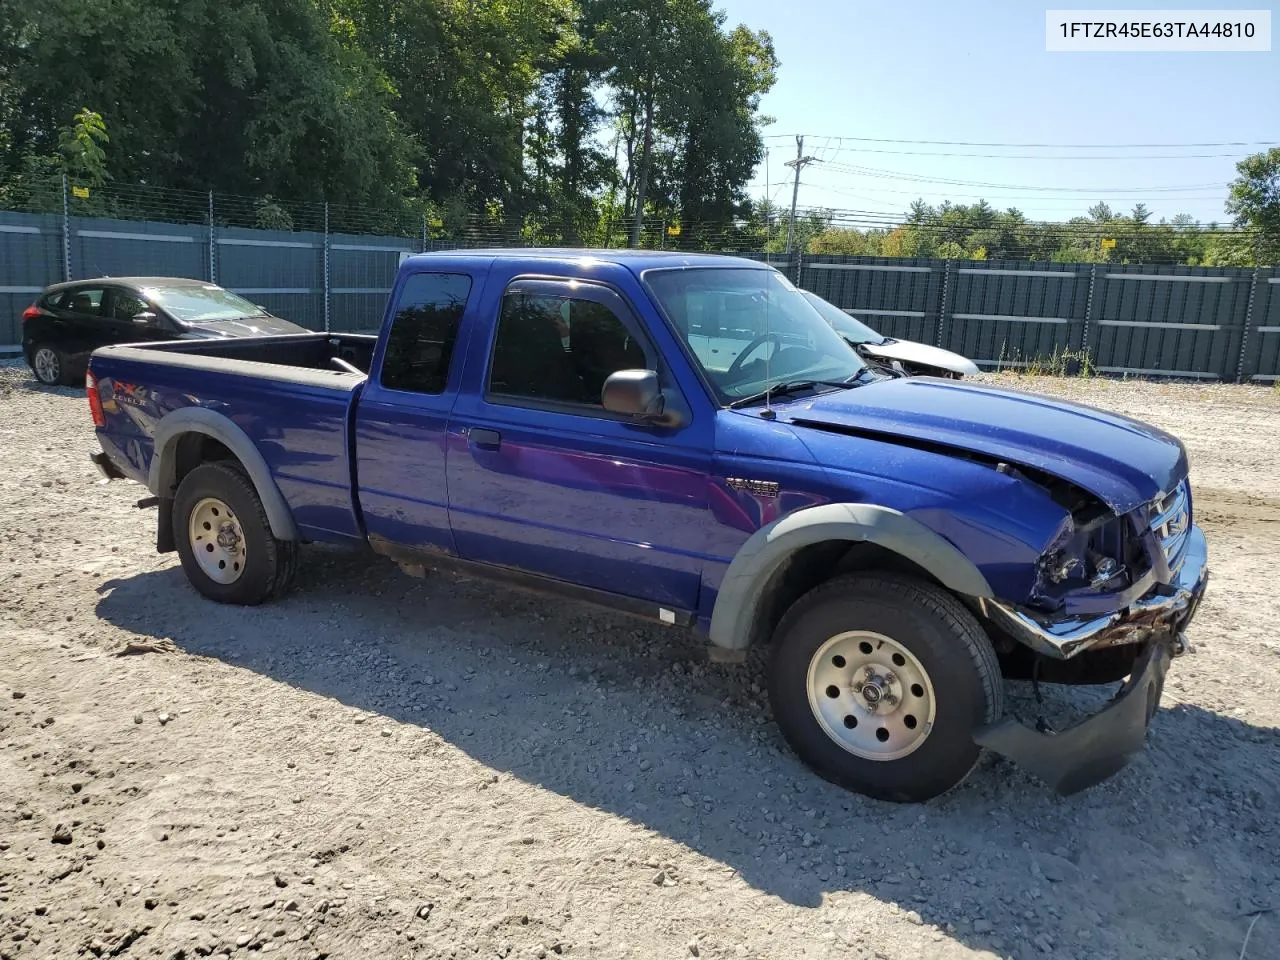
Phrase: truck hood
(1123, 462)
(262, 326)
(909, 351)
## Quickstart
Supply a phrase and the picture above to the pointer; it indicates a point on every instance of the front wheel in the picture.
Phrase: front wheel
(224, 539)
(879, 683)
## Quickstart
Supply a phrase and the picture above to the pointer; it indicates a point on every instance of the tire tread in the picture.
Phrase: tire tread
(908, 592)
(281, 555)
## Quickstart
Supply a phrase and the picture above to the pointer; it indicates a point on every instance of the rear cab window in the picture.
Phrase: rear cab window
(424, 331)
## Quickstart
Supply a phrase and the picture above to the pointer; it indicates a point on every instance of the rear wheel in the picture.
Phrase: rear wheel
(879, 683)
(49, 364)
(224, 539)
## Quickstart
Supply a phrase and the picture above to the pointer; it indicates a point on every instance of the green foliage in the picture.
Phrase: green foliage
(979, 232)
(270, 215)
(1254, 201)
(485, 112)
(1062, 362)
(81, 147)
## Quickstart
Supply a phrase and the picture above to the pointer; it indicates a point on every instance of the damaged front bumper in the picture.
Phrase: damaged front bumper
(1097, 747)
(1094, 749)
(1151, 616)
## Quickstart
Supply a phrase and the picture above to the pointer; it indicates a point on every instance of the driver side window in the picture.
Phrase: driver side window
(125, 305)
(559, 349)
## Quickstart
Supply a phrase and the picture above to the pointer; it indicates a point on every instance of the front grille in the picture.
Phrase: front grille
(1171, 524)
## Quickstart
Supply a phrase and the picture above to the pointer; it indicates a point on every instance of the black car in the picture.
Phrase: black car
(72, 319)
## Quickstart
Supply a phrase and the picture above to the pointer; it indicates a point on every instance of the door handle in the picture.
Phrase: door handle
(485, 439)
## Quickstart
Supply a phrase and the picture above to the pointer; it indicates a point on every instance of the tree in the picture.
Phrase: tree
(1100, 212)
(81, 147)
(850, 243)
(717, 140)
(685, 97)
(1254, 202)
(239, 96)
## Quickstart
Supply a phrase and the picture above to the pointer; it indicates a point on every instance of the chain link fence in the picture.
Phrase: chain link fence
(330, 267)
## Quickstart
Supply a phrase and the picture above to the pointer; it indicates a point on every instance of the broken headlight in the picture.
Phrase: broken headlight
(1087, 553)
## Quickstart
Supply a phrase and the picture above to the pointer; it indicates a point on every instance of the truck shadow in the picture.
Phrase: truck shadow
(632, 719)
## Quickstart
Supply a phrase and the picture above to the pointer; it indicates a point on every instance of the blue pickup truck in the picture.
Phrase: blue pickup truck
(684, 438)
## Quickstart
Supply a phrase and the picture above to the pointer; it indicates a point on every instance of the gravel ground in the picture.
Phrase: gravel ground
(378, 766)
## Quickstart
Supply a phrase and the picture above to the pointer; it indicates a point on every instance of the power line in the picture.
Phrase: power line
(1074, 202)
(1010, 199)
(1048, 146)
(1040, 156)
(1052, 229)
(881, 173)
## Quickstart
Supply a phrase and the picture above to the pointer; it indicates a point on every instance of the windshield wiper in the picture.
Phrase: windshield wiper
(866, 373)
(788, 387)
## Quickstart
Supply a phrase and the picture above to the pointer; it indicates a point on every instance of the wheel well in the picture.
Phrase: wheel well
(816, 563)
(194, 449)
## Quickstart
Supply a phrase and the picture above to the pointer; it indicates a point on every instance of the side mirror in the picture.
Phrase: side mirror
(146, 316)
(634, 393)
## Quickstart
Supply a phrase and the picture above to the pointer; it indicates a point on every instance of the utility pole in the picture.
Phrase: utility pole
(766, 194)
(800, 162)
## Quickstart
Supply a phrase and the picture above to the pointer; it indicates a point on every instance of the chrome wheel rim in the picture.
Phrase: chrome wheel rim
(217, 540)
(47, 366)
(871, 695)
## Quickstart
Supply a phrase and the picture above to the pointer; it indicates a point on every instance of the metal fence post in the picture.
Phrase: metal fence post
(326, 266)
(66, 231)
(942, 306)
(213, 263)
(424, 233)
(1088, 310)
(1248, 319)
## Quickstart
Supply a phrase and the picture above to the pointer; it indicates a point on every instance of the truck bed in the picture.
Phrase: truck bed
(283, 392)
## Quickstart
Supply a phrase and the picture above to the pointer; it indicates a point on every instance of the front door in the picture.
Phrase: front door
(122, 306)
(543, 479)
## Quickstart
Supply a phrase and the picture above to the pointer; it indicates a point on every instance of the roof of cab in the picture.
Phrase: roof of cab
(633, 259)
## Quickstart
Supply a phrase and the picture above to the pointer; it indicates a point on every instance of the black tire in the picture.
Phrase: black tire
(932, 626)
(270, 564)
(60, 373)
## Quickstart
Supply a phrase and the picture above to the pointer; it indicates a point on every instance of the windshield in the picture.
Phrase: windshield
(206, 304)
(841, 322)
(750, 329)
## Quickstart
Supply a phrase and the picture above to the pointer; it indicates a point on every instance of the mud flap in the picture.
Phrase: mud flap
(164, 526)
(1095, 748)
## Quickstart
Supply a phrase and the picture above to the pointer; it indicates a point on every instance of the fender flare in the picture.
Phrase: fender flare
(739, 598)
(171, 428)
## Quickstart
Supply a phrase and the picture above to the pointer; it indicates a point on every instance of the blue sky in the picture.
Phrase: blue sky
(980, 73)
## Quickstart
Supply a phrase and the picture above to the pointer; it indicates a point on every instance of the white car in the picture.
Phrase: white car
(905, 357)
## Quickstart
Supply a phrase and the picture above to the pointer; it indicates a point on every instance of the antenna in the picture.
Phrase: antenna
(767, 412)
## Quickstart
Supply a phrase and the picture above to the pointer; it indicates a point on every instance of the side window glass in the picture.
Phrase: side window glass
(125, 306)
(424, 331)
(87, 302)
(559, 349)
